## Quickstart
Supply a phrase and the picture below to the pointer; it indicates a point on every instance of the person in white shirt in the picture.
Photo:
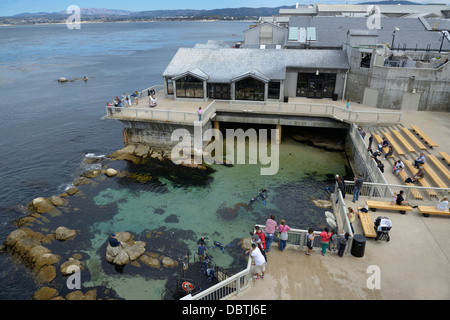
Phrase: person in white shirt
(260, 261)
(443, 204)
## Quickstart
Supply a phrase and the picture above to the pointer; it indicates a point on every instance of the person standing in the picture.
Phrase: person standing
(347, 106)
(283, 228)
(262, 242)
(342, 242)
(358, 186)
(309, 241)
(371, 140)
(325, 235)
(271, 225)
(259, 260)
(341, 185)
(202, 252)
(199, 113)
(351, 215)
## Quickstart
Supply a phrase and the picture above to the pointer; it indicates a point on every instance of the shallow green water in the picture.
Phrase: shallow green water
(214, 211)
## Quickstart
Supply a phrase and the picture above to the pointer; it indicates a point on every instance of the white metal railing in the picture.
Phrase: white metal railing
(188, 117)
(310, 109)
(228, 287)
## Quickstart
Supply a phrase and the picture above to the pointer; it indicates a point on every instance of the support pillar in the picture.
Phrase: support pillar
(278, 136)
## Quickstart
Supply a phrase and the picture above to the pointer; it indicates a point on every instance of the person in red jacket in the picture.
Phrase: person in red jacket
(325, 235)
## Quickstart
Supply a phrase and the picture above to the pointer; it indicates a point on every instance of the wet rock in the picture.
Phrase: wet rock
(169, 262)
(42, 205)
(150, 261)
(72, 190)
(45, 293)
(63, 233)
(91, 173)
(56, 201)
(15, 236)
(136, 250)
(78, 295)
(322, 203)
(141, 150)
(111, 172)
(46, 274)
(66, 268)
(47, 259)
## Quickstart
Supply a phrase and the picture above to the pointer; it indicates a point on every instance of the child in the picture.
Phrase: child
(393, 199)
(333, 241)
(325, 235)
(309, 241)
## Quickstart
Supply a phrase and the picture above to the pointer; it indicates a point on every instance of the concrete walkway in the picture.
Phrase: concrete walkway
(415, 264)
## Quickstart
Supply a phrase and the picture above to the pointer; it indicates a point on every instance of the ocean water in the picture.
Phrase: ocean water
(51, 131)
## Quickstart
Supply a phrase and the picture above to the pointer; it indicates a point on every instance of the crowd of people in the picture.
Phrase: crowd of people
(128, 100)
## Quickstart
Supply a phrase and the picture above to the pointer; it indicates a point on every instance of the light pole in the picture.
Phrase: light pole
(393, 37)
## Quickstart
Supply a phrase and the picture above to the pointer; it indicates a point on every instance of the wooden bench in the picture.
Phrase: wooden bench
(434, 176)
(445, 156)
(403, 141)
(423, 182)
(414, 139)
(440, 166)
(367, 224)
(394, 144)
(425, 138)
(416, 194)
(379, 139)
(384, 205)
(427, 210)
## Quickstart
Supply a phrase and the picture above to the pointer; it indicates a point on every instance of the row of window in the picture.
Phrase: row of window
(308, 85)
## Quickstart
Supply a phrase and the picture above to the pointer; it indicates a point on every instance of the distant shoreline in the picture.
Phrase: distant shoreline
(127, 21)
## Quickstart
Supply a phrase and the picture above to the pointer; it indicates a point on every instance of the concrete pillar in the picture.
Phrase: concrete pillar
(278, 136)
(216, 126)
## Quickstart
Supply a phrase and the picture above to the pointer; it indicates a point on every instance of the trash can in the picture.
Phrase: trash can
(335, 96)
(358, 245)
(286, 99)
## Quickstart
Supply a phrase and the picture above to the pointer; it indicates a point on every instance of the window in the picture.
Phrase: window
(250, 89)
(189, 87)
(365, 59)
(219, 91)
(274, 90)
(169, 86)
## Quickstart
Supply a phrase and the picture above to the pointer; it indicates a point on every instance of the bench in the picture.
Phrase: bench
(394, 144)
(425, 138)
(416, 194)
(445, 156)
(403, 141)
(414, 139)
(423, 182)
(384, 205)
(440, 166)
(434, 176)
(427, 210)
(386, 149)
(367, 224)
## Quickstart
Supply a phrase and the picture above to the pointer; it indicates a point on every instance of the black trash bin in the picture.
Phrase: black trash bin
(358, 245)
(335, 96)
(286, 99)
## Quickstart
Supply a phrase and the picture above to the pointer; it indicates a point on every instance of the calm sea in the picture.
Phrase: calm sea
(50, 130)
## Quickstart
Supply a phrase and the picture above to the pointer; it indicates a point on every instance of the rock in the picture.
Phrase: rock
(136, 250)
(117, 255)
(42, 205)
(78, 295)
(65, 266)
(23, 246)
(35, 253)
(45, 293)
(56, 201)
(62, 79)
(169, 262)
(151, 262)
(141, 150)
(111, 172)
(15, 236)
(46, 259)
(91, 173)
(72, 190)
(63, 233)
(322, 203)
(46, 274)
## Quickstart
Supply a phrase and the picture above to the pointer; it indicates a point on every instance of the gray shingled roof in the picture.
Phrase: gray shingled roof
(332, 31)
(223, 65)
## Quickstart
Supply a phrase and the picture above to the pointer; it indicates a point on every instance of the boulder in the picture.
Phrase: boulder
(169, 262)
(65, 266)
(117, 255)
(33, 255)
(42, 205)
(56, 201)
(150, 261)
(111, 172)
(72, 190)
(78, 295)
(15, 236)
(45, 293)
(23, 246)
(91, 173)
(136, 250)
(47, 259)
(46, 274)
(63, 233)
(326, 204)
(141, 150)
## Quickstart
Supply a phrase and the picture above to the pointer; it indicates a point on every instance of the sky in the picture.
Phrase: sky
(12, 7)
